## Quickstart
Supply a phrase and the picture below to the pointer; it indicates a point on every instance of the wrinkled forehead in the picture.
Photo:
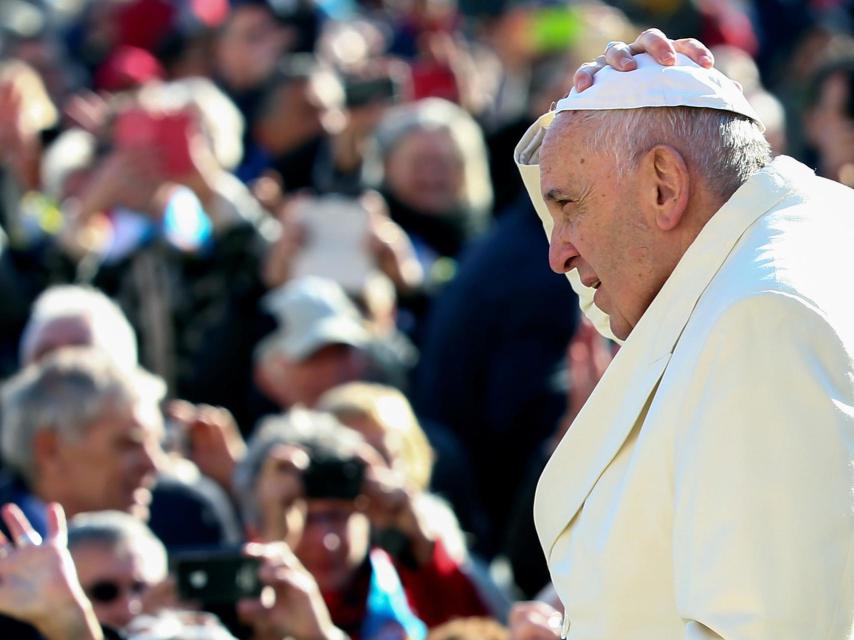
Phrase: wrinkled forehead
(104, 555)
(563, 136)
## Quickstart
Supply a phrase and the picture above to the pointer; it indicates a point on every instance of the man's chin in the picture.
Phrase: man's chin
(138, 505)
(619, 327)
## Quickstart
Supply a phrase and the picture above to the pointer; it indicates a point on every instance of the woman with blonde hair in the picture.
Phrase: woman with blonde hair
(385, 419)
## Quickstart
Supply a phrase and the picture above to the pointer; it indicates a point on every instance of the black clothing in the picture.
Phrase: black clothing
(492, 365)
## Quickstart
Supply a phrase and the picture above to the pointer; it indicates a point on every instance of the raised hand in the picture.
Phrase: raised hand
(38, 582)
(278, 490)
(296, 609)
(620, 55)
(215, 442)
(534, 621)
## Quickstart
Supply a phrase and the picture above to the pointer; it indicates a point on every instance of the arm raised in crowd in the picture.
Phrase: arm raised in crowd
(297, 609)
(38, 582)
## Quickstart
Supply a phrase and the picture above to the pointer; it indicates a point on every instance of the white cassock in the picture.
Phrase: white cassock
(706, 489)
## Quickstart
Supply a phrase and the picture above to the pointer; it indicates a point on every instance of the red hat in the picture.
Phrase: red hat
(127, 68)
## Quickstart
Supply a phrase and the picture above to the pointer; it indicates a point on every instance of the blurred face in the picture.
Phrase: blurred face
(334, 542)
(425, 171)
(113, 465)
(374, 434)
(289, 382)
(296, 118)
(249, 47)
(114, 580)
(598, 229)
(831, 130)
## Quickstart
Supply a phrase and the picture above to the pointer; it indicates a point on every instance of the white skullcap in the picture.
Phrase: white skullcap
(684, 84)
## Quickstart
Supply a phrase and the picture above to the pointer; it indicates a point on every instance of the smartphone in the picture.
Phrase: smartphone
(216, 577)
(431, 80)
(333, 478)
(362, 91)
(168, 134)
(336, 236)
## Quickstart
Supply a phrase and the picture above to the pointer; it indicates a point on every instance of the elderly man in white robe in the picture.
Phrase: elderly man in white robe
(705, 489)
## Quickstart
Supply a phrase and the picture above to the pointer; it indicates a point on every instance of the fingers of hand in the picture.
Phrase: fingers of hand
(656, 44)
(57, 529)
(696, 50)
(584, 76)
(531, 610)
(273, 554)
(22, 531)
(181, 410)
(619, 56)
(281, 474)
(288, 458)
(250, 610)
(533, 621)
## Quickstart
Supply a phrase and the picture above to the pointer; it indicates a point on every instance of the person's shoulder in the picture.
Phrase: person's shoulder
(757, 328)
(797, 256)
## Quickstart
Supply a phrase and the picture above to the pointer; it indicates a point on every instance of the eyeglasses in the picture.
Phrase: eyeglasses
(107, 591)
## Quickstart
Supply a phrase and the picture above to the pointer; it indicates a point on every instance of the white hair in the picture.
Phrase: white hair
(723, 147)
(117, 528)
(111, 331)
(65, 393)
(436, 114)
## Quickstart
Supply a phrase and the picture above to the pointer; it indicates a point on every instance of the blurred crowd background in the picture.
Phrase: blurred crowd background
(267, 273)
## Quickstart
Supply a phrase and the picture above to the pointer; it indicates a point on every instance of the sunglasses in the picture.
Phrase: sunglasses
(107, 591)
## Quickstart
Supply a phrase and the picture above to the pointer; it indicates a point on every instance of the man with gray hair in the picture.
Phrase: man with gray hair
(80, 430)
(705, 489)
(78, 315)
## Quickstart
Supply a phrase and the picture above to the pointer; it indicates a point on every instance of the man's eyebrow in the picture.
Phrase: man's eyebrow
(555, 195)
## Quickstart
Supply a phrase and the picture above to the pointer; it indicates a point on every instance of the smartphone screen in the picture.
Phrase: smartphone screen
(168, 135)
(135, 128)
(173, 138)
(336, 230)
(215, 577)
(362, 91)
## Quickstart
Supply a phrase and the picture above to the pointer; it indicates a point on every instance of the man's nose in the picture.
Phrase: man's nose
(127, 607)
(561, 254)
(149, 456)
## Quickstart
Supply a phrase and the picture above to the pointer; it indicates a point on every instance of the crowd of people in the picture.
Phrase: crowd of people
(272, 291)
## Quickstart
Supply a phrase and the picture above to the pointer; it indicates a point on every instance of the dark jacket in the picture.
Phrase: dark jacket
(492, 366)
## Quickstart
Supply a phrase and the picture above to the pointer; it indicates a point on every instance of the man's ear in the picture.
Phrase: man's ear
(668, 183)
(46, 448)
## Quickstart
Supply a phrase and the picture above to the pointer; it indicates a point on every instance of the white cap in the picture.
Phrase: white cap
(313, 313)
(684, 84)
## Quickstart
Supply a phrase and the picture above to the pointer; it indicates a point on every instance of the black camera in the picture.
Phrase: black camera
(217, 576)
(359, 92)
(333, 478)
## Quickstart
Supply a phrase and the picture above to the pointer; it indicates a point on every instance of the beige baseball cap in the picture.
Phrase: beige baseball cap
(684, 84)
(312, 313)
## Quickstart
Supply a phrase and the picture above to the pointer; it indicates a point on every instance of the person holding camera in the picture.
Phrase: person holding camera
(40, 586)
(316, 485)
